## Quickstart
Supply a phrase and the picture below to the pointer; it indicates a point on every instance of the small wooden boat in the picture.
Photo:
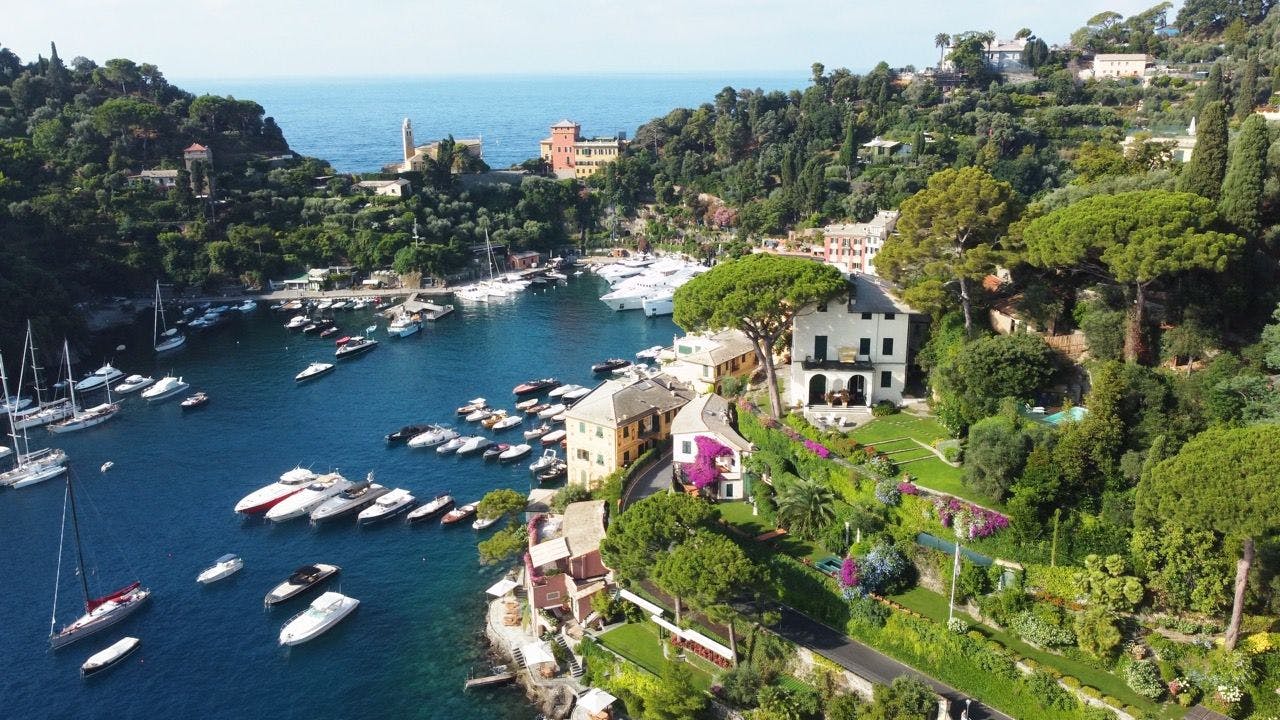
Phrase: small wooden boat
(200, 399)
(553, 437)
(609, 365)
(431, 510)
(558, 470)
(330, 331)
(526, 404)
(110, 657)
(537, 432)
(495, 450)
(535, 386)
(537, 408)
(472, 405)
(494, 418)
(458, 514)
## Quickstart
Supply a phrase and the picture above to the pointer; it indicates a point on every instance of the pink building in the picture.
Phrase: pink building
(563, 569)
(852, 247)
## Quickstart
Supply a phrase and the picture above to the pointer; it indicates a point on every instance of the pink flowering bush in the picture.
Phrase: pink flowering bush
(979, 522)
(906, 487)
(849, 573)
(817, 448)
(703, 471)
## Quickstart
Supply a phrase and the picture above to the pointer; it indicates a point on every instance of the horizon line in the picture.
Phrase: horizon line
(764, 73)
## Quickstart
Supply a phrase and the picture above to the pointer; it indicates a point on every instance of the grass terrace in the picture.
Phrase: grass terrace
(899, 436)
(639, 643)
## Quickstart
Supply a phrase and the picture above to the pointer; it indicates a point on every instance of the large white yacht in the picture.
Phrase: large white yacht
(659, 303)
(309, 498)
(324, 612)
(264, 498)
(101, 376)
(165, 387)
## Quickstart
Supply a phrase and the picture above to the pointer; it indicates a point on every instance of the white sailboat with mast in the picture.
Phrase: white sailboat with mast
(168, 338)
(100, 613)
(42, 413)
(30, 467)
(82, 419)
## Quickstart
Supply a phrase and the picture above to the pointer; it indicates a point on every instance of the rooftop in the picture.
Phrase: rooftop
(159, 173)
(195, 147)
(615, 402)
(708, 414)
(1122, 57)
(713, 349)
(565, 124)
(873, 294)
(583, 526)
(879, 142)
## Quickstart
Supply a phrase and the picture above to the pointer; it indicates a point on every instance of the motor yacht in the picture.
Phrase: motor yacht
(404, 325)
(357, 345)
(325, 612)
(458, 514)
(436, 436)
(515, 452)
(552, 411)
(166, 387)
(314, 370)
(386, 507)
(507, 423)
(548, 457)
(100, 377)
(133, 383)
(264, 498)
(431, 510)
(309, 498)
(297, 322)
(609, 365)
(473, 445)
(451, 446)
(353, 499)
(302, 579)
(535, 386)
(110, 657)
(223, 567)
(659, 303)
(408, 432)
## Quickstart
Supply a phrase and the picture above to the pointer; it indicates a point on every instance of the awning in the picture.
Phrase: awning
(595, 700)
(635, 599)
(694, 636)
(537, 653)
(502, 587)
(545, 553)
(670, 627)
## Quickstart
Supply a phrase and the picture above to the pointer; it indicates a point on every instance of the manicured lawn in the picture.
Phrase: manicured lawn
(738, 514)
(902, 424)
(639, 643)
(931, 472)
(934, 606)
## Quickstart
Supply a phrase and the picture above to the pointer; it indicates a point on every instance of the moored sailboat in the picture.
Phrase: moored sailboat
(168, 338)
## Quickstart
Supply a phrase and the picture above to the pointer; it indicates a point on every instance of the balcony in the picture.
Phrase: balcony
(861, 363)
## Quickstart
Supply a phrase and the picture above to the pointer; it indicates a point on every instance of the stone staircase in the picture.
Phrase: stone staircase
(575, 668)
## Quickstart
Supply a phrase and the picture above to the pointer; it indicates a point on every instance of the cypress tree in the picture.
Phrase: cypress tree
(1203, 175)
(1242, 188)
(848, 150)
(1248, 93)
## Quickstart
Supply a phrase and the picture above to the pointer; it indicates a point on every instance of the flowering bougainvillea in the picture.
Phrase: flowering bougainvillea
(974, 522)
(817, 448)
(703, 471)
(906, 487)
(849, 573)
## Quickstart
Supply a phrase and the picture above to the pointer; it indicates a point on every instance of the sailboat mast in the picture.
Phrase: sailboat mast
(75, 527)
(13, 434)
(35, 366)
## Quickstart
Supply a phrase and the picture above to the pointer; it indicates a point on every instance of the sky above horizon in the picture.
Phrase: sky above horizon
(395, 38)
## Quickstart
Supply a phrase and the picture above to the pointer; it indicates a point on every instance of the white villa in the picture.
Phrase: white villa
(708, 416)
(850, 354)
(702, 359)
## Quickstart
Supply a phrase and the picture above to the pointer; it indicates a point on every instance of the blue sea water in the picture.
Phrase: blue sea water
(355, 123)
(164, 512)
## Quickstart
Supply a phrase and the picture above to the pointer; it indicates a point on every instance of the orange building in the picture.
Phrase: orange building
(569, 155)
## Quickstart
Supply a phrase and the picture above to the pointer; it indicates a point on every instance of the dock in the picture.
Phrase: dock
(418, 304)
(498, 678)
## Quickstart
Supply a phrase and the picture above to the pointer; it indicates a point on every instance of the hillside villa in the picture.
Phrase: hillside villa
(705, 427)
(703, 359)
(617, 422)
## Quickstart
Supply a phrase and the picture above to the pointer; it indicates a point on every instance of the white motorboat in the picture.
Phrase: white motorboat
(553, 437)
(325, 612)
(225, 566)
(404, 325)
(106, 466)
(264, 498)
(472, 405)
(133, 383)
(482, 523)
(537, 432)
(507, 423)
(451, 445)
(357, 345)
(5, 451)
(110, 657)
(562, 390)
(309, 498)
(247, 306)
(549, 456)
(515, 452)
(100, 377)
(660, 303)
(649, 353)
(168, 338)
(578, 394)
(435, 436)
(437, 506)
(302, 579)
(314, 370)
(297, 322)
(474, 444)
(166, 387)
(324, 304)
(353, 499)
(552, 411)
(526, 404)
(478, 415)
(386, 507)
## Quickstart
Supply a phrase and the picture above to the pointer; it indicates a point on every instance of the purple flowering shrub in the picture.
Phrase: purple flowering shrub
(979, 522)
(849, 573)
(703, 471)
(817, 448)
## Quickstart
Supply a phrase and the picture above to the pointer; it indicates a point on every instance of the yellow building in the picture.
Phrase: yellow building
(611, 427)
(701, 360)
(569, 155)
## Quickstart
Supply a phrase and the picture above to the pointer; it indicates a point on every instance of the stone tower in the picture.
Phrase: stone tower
(406, 133)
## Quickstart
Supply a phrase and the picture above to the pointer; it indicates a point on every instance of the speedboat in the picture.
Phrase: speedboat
(264, 498)
(354, 498)
(404, 325)
(495, 450)
(200, 399)
(247, 306)
(535, 386)
(324, 612)
(110, 657)
(458, 514)
(101, 376)
(324, 304)
(165, 387)
(408, 432)
(330, 331)
(526, 404)
(474, 444)
(101, 614)
(386, 507)
(552, 411)
(553, 437)
(515, 452)
(549, 456)
(309, 498)
(225, 566)
(506, 423)
(307, 576)
(435, 436)
(451, 446)
(577, 394)
(537, 408)
(296, 322)
(438, 505)
(133, 383)
(95, 415)
(472, 405)
(357, 345)
(478, 415)
(609, 365)
(555, 471)
(106, 466)
(497, 417)
(314, 370)
(537, 432)
(557, 392)
(482, 523)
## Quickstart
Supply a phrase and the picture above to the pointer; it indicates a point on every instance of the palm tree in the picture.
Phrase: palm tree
(941, 41)
(805, 506)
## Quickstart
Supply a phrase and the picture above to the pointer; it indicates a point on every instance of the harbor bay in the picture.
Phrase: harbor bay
(163, 512)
